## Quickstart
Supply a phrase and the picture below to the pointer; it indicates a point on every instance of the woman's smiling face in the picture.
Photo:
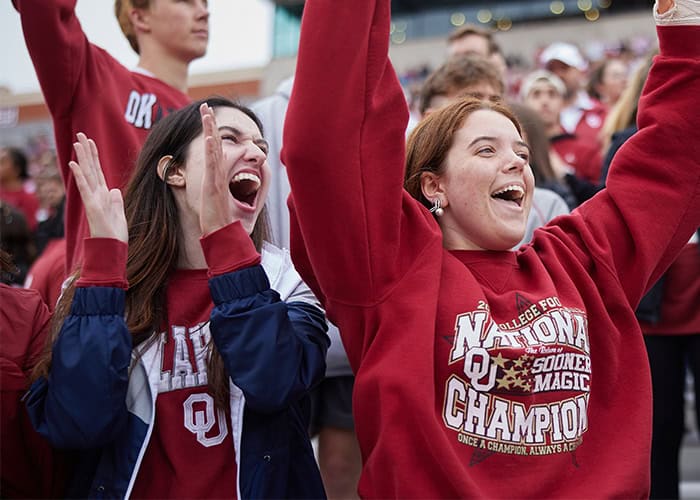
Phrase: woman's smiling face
(245, 163)
(487, 185)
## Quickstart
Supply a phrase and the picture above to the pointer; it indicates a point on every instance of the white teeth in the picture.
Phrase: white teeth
(246, 176)
(512, 187)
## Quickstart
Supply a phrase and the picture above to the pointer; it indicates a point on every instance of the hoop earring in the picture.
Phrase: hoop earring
(437, 208)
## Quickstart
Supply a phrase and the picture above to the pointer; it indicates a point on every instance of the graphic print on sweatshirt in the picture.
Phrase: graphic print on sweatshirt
(190, 453)
(183, 378)
(519, 387)
(143, 110)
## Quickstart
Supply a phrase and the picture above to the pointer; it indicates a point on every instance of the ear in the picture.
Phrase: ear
(171, 173)
(432, 187)
(139, 20)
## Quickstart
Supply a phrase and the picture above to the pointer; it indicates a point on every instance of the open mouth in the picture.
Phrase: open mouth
(512, 193)
(244, 187)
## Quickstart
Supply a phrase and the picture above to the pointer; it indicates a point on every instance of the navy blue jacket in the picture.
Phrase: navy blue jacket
(99, 399)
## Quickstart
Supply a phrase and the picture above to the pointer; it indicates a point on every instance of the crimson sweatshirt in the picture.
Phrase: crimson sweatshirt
(483, 373)
(28, 466)
(87, 90)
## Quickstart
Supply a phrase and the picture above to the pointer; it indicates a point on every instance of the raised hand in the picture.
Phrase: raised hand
(216, 203)
(104, 207)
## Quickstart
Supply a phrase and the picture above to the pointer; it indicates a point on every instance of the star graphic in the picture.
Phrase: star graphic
(500, 360)
(502, 383)
(518, 363)
(511, 373)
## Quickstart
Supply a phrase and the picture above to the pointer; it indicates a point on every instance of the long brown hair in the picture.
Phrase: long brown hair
(154, 234)
(431, 140)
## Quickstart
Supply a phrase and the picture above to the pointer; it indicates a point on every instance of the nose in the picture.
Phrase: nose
(254, 154)
(202, 10)
(516, 163)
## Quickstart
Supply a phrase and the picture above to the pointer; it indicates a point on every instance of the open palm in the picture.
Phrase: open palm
(104, 207)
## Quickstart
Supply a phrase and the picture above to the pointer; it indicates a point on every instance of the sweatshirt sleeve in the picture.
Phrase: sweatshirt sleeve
(273, 350)
(229, 249)
(344, 148)
(82, 403)
(104, 263)
(58, 48)
(651, 206)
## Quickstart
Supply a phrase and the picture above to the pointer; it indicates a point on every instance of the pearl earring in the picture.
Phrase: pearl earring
(437, 208)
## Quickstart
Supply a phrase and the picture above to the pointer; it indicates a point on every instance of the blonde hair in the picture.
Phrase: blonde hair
(121, 11)
(623, 114)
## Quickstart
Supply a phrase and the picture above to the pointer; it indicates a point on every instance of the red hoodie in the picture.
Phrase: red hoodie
(478, 373)
(87, 90)
(28, 468)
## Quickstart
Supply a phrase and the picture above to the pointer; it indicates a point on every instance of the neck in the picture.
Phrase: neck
(171, 71)
(191, 254)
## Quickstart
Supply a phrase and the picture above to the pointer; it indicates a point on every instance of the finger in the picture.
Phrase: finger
(80, 181)
(84, 165)
(96, 162)
(117, 210)
(82, 152)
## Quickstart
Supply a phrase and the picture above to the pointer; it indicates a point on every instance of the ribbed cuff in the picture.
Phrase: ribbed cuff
(104, 263)
(229, 249)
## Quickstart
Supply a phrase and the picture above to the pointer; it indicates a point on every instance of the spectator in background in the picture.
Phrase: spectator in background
(27, 465)
(87, 90)
(574, 158)
(52, 199)
(621, 122)
(47, 273)
(331, 401)
(16, 239)
(470, 39)
(608, 80)
(460, 76)
(13, 174)
(581, 114)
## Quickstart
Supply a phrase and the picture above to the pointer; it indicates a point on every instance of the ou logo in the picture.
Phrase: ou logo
(199, 422)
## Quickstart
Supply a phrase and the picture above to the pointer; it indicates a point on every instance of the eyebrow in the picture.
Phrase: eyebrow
(482, 138)
(235, 131)
(490, 138)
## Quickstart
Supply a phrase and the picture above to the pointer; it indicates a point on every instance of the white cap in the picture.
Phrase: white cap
(564, 52)
(541, 75)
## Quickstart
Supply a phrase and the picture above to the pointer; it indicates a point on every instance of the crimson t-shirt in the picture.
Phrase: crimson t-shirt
(191, 450)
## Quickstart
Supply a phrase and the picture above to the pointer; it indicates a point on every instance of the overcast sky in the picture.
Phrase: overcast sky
(240, 37)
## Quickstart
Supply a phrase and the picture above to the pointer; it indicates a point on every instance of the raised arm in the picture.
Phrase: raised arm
(652, 205)
(58, 48)
(344, 148)
(82, 404)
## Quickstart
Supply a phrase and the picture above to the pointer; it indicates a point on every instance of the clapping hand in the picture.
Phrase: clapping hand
(104, 207)
(216, 209)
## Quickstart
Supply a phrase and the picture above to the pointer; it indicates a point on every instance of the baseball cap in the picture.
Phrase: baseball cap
(540, 75)
(564, 52)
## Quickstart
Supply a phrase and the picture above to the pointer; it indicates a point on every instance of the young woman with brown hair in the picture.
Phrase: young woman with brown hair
(482, 371)
(189, 341)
